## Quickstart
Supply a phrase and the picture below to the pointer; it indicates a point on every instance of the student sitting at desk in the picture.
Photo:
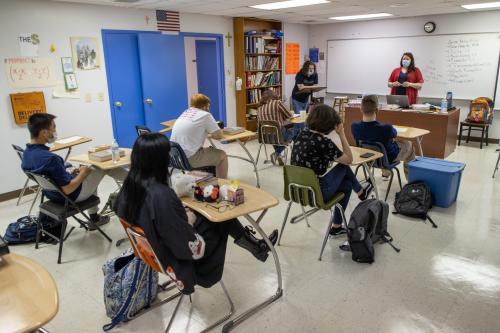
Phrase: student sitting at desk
(371, 130)
(190, 132)
(271, 108)
(78, 185)
(193, 247)
(313, 149)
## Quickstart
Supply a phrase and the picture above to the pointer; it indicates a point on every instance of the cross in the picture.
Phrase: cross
(228, 37)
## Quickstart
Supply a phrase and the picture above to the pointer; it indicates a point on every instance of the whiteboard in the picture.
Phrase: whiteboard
(465, 64)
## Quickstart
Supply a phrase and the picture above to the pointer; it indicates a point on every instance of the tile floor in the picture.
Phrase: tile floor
(444, 280)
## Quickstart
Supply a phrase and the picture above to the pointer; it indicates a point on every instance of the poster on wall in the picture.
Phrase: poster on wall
(86, 53)
(28, 44)
(292, 61)
(314, 54)
(26, 104)
(30, 72)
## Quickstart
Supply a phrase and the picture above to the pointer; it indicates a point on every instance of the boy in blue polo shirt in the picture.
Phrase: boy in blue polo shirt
(80, 184)
(371, 130)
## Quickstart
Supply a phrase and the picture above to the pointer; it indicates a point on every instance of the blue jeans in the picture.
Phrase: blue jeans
(339, 179)
(298, 106)
(289, 134)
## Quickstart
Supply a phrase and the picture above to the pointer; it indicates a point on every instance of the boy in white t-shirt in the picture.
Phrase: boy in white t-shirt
(190, 132)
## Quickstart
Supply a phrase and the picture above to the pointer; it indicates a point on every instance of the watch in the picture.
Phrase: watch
(429, 27)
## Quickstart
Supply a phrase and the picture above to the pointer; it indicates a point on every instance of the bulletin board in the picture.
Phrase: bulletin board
(26, 104)
(292, 58)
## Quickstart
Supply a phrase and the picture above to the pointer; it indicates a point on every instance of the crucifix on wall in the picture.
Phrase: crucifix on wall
(228, 37)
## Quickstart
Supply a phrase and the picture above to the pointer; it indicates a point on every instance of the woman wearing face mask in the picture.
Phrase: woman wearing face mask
(406, 79)
(306, 78)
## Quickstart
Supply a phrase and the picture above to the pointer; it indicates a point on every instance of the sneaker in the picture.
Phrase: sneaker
(337, 231)
(98, 222)
(386, 174)
(273, 158)
(345, 246)
(366, 191)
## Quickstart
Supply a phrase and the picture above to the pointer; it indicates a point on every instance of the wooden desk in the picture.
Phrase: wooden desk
(240, 138)
(298, 120)
(255, 200)
(60, 146)
(412, 133)
(108, 165)
(441, 140)
(366, 163)
(28, 295)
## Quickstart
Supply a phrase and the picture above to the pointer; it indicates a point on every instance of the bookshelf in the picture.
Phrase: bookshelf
(258, 62)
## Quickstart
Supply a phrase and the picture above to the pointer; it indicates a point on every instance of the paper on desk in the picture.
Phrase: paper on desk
(68, 140)
(401, 129)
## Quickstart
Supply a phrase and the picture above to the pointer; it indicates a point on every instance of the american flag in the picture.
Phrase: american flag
(167, 20)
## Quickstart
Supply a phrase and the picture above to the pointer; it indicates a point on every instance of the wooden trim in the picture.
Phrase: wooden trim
(14, 194)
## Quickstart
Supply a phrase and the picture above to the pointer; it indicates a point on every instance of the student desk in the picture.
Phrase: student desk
(412, 133)
(441, 140)
(255, 200)
(107, 165)
(28, 294)
(240, 138)
(68, 145)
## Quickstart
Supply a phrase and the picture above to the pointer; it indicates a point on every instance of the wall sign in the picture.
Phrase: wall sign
(28, 72)
(26, 104)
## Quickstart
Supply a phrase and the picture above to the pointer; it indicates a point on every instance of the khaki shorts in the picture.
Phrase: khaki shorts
(209, 156)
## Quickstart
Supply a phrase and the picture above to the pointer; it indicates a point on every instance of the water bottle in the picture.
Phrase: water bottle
(449, 99)
(115, 151)
(444, 106)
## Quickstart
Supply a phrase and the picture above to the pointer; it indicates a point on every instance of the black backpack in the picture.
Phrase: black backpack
(414, 200)
(24, 229)
(368, 226)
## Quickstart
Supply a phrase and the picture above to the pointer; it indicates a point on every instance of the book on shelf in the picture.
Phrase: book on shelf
(254, 95)
(262, 42)
(263, 79)
(261, 63)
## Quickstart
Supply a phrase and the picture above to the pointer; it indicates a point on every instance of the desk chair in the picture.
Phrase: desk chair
(141, 129)
(20, 152)
(269, 133)
(61, 212)
(302, 187)
(144, 251)
(483, 127)
(179, 160)
(382, 163)
(498, 160)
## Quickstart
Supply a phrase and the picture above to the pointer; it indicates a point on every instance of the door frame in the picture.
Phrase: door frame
(219, 40)
(105, 32)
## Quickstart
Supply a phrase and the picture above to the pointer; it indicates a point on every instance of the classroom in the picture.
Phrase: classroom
(250, 166)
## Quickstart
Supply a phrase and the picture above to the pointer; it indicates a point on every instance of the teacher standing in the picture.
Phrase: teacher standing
(306, 78)
(406, 79)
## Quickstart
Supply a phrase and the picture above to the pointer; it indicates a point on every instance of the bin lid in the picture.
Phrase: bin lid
(436, 164)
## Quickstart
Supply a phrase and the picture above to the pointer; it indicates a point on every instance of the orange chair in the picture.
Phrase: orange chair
(143, 250)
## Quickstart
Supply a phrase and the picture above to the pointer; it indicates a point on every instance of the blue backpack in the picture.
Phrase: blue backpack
(129, 286)
(24, 229)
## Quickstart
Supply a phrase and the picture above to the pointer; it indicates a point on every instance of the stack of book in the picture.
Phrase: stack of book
(261, 63)
(263, 79)
(254, 95)
(261, 42)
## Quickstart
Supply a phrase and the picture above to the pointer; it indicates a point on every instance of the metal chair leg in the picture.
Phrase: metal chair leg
(482, 138)
(356, 171)
(227, 316)
(22, 191)
(173, 314)
(399, 179)
(34, 200)
(258, 154)
(389, 187)
(460, 135)
(468, 134)
(284, 221)
(327, 233)
(496, 166)
(64, 223)
(305, 216)
(487, 134)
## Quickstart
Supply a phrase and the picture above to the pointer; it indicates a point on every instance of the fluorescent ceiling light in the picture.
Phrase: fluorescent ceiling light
(289, 4)
(482, 5)
(359, 17)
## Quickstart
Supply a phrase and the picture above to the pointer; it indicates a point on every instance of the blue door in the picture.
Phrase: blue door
(124, 84)
(208, 69)
(163, 72)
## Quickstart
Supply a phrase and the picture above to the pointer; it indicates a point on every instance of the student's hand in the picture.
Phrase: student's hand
(75, 172)
(84, 170)
(396, 84)
(191, 216)
(406, 84)
(340, 129)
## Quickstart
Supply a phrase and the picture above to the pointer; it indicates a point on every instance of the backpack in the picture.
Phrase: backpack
(24, 229)
(368, 226)
(480, 110)
(414, 200)
(129, 286)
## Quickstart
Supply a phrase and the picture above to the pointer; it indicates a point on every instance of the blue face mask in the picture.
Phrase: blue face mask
(406, 63)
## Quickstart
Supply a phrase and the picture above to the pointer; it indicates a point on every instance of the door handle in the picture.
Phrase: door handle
(149, 101)
(118, 104)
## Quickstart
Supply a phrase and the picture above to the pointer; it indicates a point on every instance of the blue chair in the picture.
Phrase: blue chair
(179, 160)
(383, 162)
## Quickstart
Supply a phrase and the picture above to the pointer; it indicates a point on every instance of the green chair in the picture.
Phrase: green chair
(302, 187)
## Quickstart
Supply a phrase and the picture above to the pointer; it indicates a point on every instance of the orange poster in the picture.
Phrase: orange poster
(292, 58)
(26, 104)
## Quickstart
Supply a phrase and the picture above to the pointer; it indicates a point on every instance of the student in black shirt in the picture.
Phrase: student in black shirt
(189, 246)
(307, 77)
(313, 149)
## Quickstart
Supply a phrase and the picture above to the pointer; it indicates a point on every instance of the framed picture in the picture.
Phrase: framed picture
(67, 65)
(70, 80)
(86, 53)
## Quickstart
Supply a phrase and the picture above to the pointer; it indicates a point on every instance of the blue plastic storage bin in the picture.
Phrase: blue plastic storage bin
(443, 178)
